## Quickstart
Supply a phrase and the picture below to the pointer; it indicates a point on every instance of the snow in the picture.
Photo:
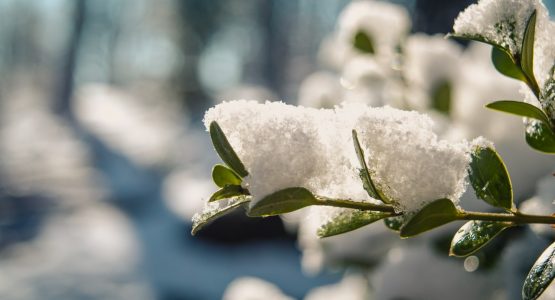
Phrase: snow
(501, 22)
(252, 288)
(286, 146)
(429, 61)
(386, 24)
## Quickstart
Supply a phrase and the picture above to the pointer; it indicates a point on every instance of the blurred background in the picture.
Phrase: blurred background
(104, 158)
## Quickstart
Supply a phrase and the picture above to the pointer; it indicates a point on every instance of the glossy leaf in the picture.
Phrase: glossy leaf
(349, 220)
(394, 223)
(227, 191)
(519, 108)
(441, 97)
(490, 179)
(474, 235)
(284, 201)
(364, 174)
(215, 210)
(225, 151)
(363, 42)
(504, 63)
(433, 215)
(541, 275)
(527, 55)
(540, 137)
(222, 176)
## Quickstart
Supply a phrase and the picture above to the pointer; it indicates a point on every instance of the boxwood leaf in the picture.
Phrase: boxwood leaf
(363, 42)
(474, 235)
(283, 201)
(433, 215)
(215, 210)
(222, 176)
(364, 174)
(225, 151)
(527, 55)
(505, 64)
(541, 275)
(441, 97)
(227, 192)
(349, 220)
(519, 108)
(540, 137)
(490, 179)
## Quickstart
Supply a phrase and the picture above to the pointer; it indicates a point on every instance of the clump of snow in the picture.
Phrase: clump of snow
(384, 23)
(501, 22)
(252, 288)
(429, 62)
(320, 90)
(286, 146)
(351, 287)
(411, 165)
(144, 129)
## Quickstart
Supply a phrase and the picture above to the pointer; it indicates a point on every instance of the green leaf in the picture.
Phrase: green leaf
(394, 223)
(284, 201)
(505, 64)
(215, 210)
(474, 235)
(222, 176)
(349, 220)
(540, 137)
(363, 42)
(519, 108)
(435, 214)
(490, 179)
(541, 275)
(225, 151)
(364, 173)
(441, 97)
(227, 191)
(527, 55)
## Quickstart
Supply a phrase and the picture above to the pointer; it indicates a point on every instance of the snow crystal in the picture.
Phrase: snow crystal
(501, 22)
(285, 146)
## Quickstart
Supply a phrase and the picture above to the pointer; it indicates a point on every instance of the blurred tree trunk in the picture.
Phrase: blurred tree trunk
(66, 81)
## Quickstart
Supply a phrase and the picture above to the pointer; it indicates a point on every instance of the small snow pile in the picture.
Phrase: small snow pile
(430, 61)
(286, 146)
(384, 24)
(500, 22)
(252, 288)
(411, 165)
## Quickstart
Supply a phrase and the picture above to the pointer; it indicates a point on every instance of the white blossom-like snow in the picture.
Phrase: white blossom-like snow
(384, 23)
(286, 146)
(429, 62)
(252, 288)
(500, 22)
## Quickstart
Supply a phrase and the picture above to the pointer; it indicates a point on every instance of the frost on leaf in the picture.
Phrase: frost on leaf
(214, 210)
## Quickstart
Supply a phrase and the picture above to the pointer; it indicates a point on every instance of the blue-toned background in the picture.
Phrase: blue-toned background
(103, 154)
